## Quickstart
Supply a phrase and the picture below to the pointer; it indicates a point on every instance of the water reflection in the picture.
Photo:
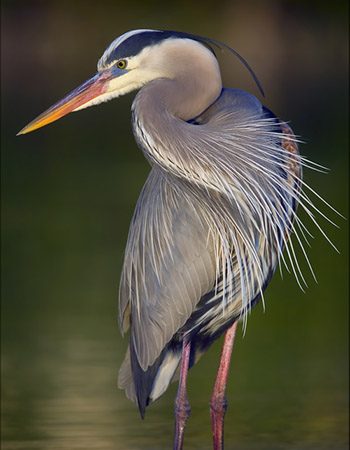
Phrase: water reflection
(66, 396)
(59, 391)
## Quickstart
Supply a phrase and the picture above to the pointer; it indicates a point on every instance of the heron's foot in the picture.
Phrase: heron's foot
(182, 412)
(218, 406)
(218, 402)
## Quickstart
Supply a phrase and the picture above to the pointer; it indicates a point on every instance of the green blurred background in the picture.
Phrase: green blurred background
(68, 194)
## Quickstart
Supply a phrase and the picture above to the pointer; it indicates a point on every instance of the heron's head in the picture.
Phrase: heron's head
(138, 57)
(131, 61)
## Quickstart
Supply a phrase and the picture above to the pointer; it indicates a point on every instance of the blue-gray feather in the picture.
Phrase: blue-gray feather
(180, 290)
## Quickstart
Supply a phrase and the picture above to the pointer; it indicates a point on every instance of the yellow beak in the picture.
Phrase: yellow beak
(90, 90)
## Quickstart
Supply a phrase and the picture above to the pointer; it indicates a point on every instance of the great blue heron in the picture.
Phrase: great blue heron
(213, 218)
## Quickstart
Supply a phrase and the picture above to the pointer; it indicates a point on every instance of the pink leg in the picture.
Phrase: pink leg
(182, 407)
(218, 402)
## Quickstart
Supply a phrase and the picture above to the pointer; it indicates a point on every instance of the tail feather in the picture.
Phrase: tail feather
(145, 386)
(144, 380)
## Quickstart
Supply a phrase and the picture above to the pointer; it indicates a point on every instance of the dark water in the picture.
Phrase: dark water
(287, 388)
(68, 193)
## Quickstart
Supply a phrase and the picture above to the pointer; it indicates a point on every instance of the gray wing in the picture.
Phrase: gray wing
(169, 265)
(170, 259)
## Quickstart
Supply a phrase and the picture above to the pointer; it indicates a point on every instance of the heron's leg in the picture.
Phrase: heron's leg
(182, 407)
(218, 402)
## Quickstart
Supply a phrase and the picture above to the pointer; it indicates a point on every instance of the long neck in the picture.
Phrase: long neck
(188, 81)
(161, 110)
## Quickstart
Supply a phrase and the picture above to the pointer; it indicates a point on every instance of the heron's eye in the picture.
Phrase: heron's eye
(121, 64)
